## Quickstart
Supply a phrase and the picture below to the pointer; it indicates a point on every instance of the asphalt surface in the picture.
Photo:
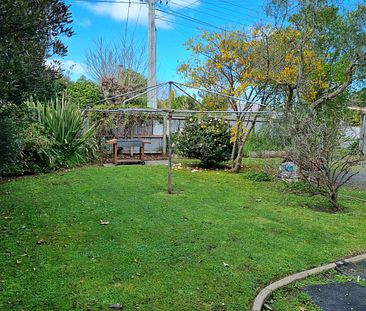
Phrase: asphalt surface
(349, 296)
(338, 296)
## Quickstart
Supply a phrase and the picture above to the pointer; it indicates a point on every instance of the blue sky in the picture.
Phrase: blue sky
(107, 20)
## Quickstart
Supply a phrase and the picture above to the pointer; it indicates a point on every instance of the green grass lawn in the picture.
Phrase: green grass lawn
(211, 246)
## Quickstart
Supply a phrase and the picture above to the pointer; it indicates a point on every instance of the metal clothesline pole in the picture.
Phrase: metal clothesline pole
(170, 140)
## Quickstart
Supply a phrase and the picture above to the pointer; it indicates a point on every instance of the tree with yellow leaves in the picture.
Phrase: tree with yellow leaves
(327, 43)
(286, 60)
(225, 63)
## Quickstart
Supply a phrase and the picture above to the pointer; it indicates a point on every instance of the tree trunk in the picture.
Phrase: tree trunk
(334, 201)
(234, 152)
(237, 165)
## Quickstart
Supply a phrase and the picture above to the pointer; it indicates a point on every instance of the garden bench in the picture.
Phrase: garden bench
(128, 143)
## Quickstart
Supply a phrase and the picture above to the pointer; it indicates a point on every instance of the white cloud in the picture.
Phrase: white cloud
(74, 69)
(137, 12)
(85, 22)
(70, 68)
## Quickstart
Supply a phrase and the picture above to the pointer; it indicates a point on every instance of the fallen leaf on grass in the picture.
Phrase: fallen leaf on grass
(116, 306)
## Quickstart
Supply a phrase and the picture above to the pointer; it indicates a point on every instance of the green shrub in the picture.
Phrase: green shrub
(84, 92)
(41, 137)
(71, 136)
(206, 139)
(38, 153)
(257, 176)
(10, 145)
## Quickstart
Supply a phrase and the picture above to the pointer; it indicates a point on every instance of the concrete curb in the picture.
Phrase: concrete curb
(267, 291)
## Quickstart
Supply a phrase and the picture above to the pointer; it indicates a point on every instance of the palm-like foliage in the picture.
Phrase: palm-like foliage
(68, 126)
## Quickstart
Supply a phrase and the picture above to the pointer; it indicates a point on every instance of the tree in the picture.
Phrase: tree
(224, 63)
(335, 36)
(118, 68)
(30, 33)
(314, 141)
(83, 92)
(288, 62)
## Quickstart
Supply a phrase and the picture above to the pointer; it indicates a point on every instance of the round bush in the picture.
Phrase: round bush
(206, 139)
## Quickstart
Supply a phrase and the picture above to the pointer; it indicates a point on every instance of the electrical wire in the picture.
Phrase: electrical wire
(209, 14)
(192, 19)
(221, 17)
(137, 20)
(109, 1)
(128, 15)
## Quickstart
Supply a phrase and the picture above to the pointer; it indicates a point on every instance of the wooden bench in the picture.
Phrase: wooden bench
(128, 143)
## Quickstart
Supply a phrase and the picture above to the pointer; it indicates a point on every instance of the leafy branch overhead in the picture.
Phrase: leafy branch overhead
(30, 33)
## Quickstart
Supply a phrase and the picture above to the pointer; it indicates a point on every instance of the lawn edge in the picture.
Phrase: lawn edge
(267, 291)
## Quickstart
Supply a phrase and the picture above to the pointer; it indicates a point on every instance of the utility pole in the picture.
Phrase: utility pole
(151, 79)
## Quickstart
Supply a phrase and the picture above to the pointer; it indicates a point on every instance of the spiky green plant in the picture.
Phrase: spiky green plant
(68, 126)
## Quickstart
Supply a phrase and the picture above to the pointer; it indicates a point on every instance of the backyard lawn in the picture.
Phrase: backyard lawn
(210, 246)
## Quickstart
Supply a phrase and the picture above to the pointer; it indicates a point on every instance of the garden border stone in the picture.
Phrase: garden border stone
(267, 291)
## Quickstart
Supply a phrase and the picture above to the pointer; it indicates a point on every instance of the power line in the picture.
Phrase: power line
(186, 6)
(178, 22)
(192, 19)
(128, 15)
(236, 11)
(220, 12)
(206, 13)
(137, 20)
(109, 1)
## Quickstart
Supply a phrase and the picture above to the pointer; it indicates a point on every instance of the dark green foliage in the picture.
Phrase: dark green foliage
(38, 153)
(83, 92)
(44, 137)
(206, 139)
(24, 145)
(10, 144)
(30, 33)
(71, 132)
(257, 176)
